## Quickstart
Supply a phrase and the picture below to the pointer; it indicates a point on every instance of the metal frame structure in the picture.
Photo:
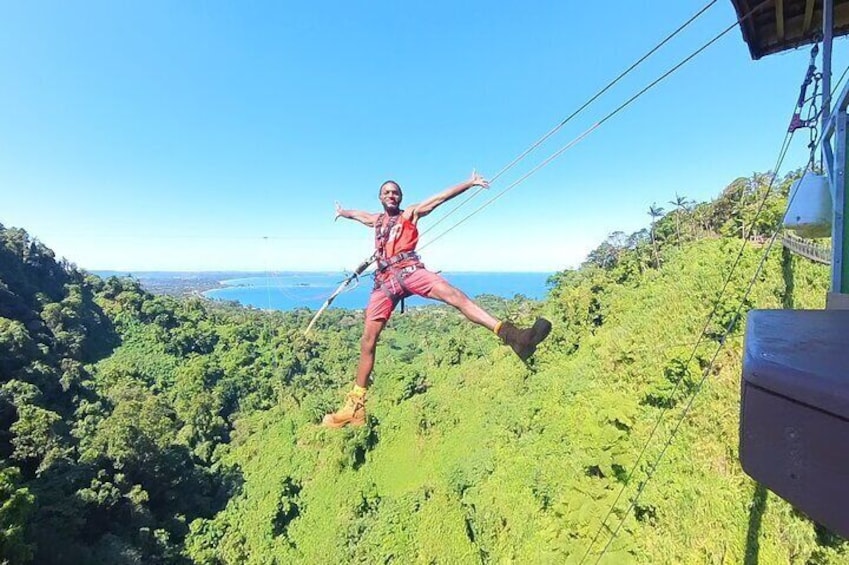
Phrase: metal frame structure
(775, 27)
(835, 164)
(834, 161)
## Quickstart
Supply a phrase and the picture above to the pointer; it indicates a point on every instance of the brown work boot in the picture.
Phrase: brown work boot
(524, 342)
(353, 413)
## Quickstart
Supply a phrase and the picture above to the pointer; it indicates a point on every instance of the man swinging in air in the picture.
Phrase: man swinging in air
(400, 273)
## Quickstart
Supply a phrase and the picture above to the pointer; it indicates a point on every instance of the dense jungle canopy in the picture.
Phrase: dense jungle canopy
(149, 429)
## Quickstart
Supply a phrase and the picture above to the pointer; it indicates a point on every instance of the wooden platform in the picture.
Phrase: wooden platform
(786, 24)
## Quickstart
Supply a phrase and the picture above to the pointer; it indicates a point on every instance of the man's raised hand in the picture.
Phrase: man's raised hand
(478, 180)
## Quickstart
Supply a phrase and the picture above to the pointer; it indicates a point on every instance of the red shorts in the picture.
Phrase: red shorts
(419, 282)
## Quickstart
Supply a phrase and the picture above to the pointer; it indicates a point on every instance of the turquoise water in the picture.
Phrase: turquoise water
(296, 290)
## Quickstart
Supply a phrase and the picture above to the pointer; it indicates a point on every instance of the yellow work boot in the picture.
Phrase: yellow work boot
(352, 413)
(524, 342)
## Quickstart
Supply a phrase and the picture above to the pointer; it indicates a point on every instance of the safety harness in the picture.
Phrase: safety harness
(389, 277)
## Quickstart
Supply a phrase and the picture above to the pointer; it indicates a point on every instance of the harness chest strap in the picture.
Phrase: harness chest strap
(390, 229)
(392, 282)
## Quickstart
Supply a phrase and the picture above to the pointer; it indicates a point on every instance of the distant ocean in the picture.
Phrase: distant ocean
(288, 291)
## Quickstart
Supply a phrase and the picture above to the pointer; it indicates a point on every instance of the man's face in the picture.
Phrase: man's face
(390, 196)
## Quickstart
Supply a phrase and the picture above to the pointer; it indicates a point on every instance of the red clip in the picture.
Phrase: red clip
(796, 122)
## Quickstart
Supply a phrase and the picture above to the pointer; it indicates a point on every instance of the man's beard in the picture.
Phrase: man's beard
(391, 208)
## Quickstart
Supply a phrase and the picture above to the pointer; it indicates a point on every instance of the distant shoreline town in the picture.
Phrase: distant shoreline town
(197, 283)
(180, 283)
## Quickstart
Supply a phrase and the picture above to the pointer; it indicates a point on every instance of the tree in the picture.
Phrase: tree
(655, 212)
(681, 206)
(15, 512)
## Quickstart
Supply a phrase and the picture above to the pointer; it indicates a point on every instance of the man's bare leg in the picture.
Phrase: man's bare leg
(523, 341)
(368, 345)
(353, 412)
(455, 297)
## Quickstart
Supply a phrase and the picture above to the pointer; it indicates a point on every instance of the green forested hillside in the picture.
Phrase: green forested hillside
(143, 429)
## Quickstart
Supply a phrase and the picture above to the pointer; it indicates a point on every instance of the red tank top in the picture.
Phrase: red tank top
(394, 235)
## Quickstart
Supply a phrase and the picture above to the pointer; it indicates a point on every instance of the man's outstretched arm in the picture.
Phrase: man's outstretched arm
(366, 218)
(429, 205)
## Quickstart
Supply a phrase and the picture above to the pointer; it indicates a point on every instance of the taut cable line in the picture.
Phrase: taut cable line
(705, 373)
(592, 99)
(788, 137)
(607, 117)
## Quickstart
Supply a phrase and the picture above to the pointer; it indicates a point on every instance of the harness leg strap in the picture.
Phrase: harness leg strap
(403, 291)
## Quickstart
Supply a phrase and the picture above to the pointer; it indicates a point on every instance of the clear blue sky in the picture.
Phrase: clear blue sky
(177, 135)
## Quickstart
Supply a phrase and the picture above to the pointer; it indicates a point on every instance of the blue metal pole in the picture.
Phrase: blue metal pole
(840, 261)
